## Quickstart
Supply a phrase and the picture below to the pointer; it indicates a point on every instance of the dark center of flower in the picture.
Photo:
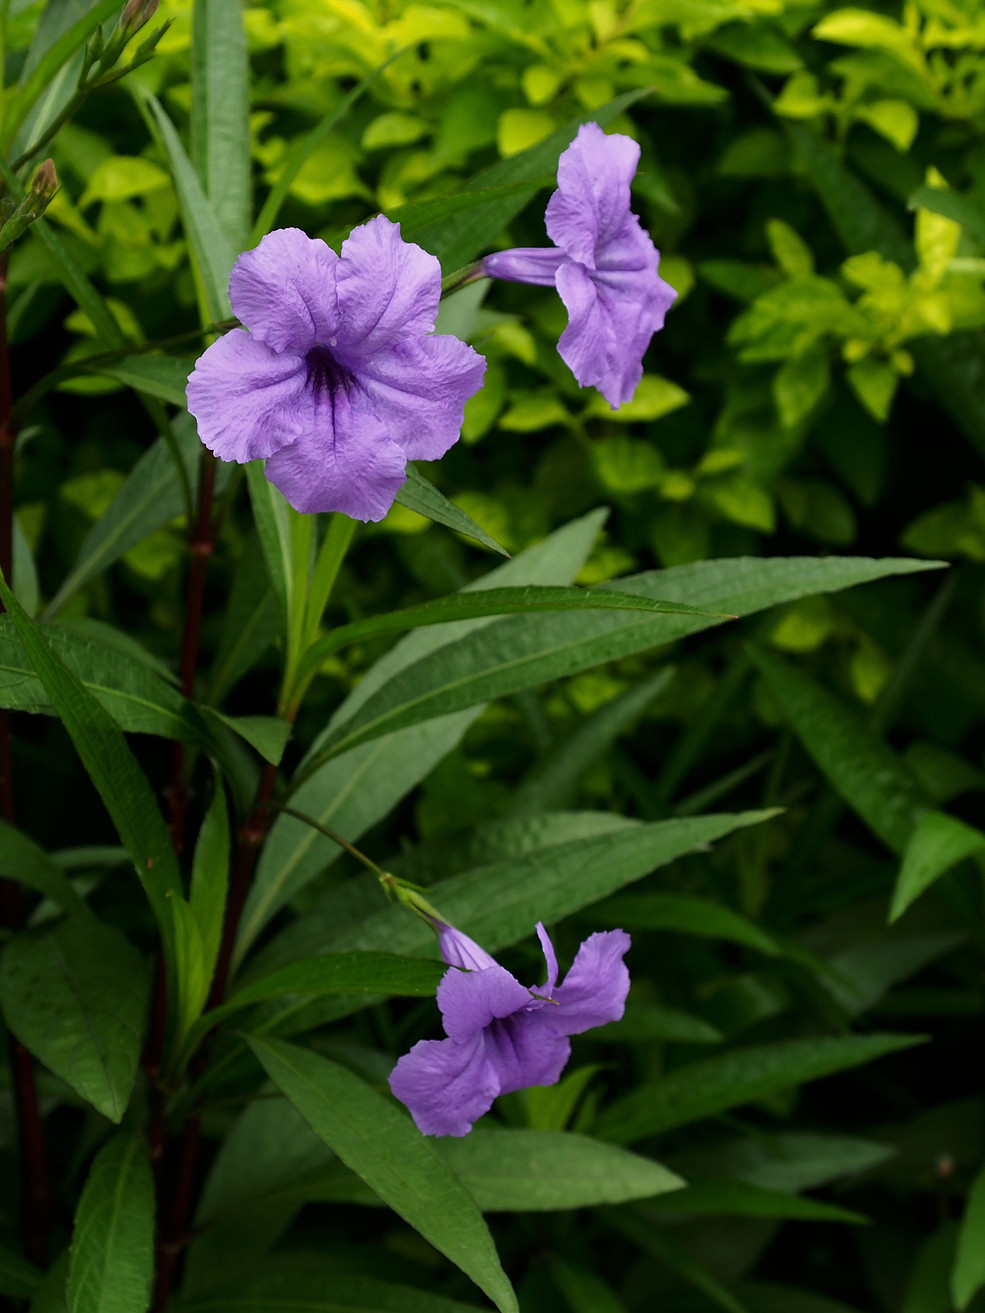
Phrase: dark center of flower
(325, 372)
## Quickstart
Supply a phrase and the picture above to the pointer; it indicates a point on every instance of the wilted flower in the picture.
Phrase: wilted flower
(340, 380)
(501, 1035)
(603, 264)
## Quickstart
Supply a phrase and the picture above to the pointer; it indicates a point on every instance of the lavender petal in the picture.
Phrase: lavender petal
(249, 401)
(419, 389)
(343, 461)
(592, 199)
(471, 1000)
(388, 289)
(447, 1086)
(284, 290)
(594, 990)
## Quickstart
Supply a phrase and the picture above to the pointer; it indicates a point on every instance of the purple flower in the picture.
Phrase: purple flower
(603, 265)
(339, 381)
(501, 1035)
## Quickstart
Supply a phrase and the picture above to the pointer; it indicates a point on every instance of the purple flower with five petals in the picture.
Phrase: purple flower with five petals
(603, 264)
(501, 1035)
(340, 380)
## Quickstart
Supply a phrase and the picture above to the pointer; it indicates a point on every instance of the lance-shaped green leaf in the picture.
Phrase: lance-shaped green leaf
(866, 773)
(704, 1089)
(210, 247)
(272, 516)
(112, 1256)
(109, 763)
(380, 1143)
(339, 973)
(519, 1171)
(75, 997)
(489, 602)
(527, 1170)
(220, 115)
(499, 903)
(727, 1198)
(21, 859)
(150, 497)
(937, 843)
(296, 1286)
(136, 697)
(688, 916)
(339, 793)
(968, 1275)
(45, 69)
(522, 651)
(552, 783)
(417, 494)
(250, 622)
(210, 874)
(163, 377)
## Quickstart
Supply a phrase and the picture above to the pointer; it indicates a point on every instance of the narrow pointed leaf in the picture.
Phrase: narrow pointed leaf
(520, 652)
(21, 859)
(210, 874)
(163, 377)
(498, 904)
(112, 1256)
(968, 1276)
(704, 1089)
(860, 766)
(553, 782)
(75, 997)
(150, 498)
(380, 1143)
(109, 763)
(938, 842)
(532, 599)
(57, 55)
(220, 126)
(212, 252)
(417, 494)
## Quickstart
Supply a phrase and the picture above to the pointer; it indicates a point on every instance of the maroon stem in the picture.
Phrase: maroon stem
(201, 545)
(33, 1167)
(177, 1176)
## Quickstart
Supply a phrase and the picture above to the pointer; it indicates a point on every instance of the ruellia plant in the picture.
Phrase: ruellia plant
(405, 562)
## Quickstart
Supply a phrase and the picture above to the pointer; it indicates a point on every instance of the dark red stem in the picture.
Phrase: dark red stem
(33, 1167)
(201, 545)
(177, 1182)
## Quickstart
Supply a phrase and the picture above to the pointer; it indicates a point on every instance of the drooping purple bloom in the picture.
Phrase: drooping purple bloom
(501, 1035)
(340, 380)
(603, 264)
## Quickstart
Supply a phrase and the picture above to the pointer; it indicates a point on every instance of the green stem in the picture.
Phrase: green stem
(71, 108)
(331, 554)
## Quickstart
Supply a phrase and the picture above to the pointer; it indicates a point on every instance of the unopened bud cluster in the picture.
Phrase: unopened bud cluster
(103, 52)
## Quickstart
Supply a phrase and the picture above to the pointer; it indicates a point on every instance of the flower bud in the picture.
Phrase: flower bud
(136, 14)
(43, 186)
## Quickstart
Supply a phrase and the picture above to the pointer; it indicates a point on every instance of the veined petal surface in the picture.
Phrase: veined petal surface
(284, 291)
(249, 400)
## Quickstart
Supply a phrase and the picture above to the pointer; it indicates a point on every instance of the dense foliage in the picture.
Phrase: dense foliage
(781, 807)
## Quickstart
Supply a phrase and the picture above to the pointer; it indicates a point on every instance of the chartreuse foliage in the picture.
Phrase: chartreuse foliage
(687, 668)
